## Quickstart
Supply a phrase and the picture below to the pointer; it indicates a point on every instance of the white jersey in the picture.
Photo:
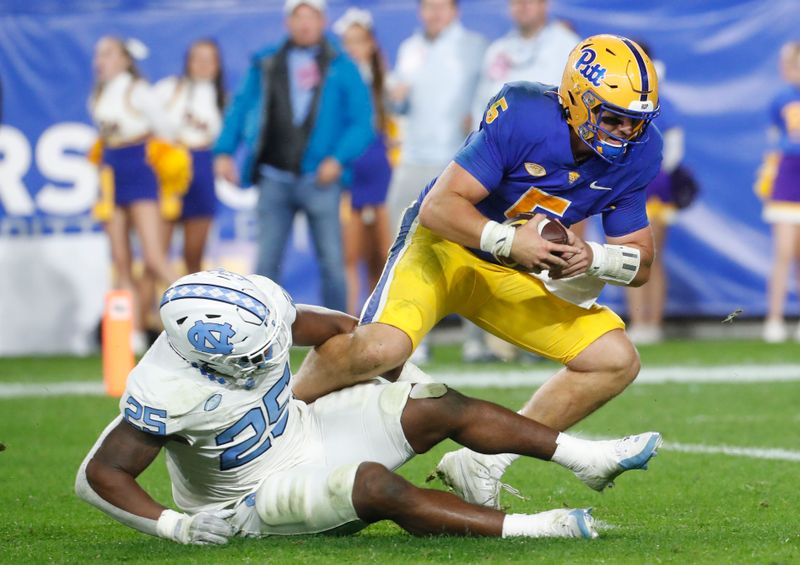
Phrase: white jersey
(192, 116)
(225, 439)
(511, 58)
(125, 111)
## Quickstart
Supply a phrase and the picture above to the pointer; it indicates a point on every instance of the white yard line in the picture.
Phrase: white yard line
(483, 378)
(508, 379)
(749, 452)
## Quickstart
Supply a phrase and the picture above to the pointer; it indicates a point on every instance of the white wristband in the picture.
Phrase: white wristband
(497, 238)
(168, 525)
(617, 264)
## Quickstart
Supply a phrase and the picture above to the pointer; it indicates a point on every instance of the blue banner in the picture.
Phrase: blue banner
(722, 71)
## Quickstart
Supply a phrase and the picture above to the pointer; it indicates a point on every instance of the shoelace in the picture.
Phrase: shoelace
(487, 476)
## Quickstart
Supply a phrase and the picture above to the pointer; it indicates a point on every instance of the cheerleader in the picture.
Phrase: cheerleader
(365, 222)
(123, 108)
(193, 104)
(781, 190)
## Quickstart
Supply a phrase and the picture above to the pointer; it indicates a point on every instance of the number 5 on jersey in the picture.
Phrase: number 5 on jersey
(494, 110)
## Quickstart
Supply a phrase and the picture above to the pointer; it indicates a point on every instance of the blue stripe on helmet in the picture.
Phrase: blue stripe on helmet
(219, 294)
(642, 69)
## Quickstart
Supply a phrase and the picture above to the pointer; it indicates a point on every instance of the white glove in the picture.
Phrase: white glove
(199, 529)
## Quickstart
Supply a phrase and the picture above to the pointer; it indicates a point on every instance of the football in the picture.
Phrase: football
(551, 230)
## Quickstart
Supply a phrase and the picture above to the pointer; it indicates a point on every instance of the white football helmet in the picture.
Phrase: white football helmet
(225, 325)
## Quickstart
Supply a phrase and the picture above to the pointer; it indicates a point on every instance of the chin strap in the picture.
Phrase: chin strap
(617, 264)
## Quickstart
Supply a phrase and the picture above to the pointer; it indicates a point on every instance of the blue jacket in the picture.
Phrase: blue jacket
(343, 127)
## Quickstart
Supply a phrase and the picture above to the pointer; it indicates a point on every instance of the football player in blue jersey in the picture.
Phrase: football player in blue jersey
(566, 153)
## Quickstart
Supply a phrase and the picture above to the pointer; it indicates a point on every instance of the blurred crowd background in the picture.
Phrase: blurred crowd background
(422, 74)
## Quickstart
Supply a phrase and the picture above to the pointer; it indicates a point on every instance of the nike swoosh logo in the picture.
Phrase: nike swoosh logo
(596, 186)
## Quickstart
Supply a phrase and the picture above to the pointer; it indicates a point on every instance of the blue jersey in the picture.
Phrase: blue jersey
(785, 112)
(521, 154)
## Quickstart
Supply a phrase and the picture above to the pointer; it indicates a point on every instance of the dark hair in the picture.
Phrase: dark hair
(219, 81)
(131, 68)
(378, 67)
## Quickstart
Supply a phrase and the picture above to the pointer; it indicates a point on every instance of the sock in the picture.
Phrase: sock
(528, 525)
(570, 451)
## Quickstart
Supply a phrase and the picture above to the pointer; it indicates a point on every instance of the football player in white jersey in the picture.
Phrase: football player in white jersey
(246, 458)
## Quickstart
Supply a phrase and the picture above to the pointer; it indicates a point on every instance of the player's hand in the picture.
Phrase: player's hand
(536, 253)
(225, 167)
(577, 262)
(329, 171)
(204, 528)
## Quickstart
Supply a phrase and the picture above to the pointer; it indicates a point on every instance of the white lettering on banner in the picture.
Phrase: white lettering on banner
(15, 159)
(61, 157)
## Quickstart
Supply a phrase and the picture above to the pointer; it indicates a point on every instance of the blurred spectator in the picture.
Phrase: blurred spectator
(365, 233)
(122, 106)
(304, 114)
(646, 303)
(781, 189)
(432, 86)
(534, 50)
(193, 105)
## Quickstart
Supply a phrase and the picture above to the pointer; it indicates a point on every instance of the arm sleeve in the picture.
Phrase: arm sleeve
(629, 214)
(234, 120)
(358, 132)
(84, 490)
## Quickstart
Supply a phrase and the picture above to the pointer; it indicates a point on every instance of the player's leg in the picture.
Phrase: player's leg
(599, 373)
(434, 413)
(600, 360)
(412, 294)
(379, 494)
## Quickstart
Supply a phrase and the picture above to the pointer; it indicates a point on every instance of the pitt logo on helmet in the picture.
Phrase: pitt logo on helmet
(593, 73)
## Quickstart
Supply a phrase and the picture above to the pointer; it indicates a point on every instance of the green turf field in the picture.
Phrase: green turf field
(688, 508)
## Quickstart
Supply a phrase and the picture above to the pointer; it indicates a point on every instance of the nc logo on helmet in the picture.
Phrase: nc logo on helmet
(593, 73)
(211, 338)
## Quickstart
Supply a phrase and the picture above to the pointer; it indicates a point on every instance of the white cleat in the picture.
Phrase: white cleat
(611, 458)
(567, 523)
(472, 477)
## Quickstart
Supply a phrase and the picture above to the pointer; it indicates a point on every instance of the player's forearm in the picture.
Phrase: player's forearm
(117, 487)
(315, 325)
(453, 217)
(127, 506)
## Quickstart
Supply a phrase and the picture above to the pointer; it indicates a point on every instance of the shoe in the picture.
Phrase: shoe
(774, 331)
(610, 458)
(472, 477)
(568, 523)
